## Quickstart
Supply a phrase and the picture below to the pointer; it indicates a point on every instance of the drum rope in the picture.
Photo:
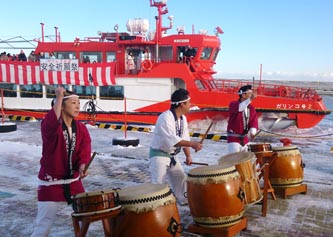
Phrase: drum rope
(220, 221)
(145, 200)
(211, 175)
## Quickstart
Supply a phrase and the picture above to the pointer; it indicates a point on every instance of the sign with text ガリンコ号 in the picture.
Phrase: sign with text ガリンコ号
(66, 65)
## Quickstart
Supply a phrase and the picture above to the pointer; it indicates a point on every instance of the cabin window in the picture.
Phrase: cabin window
(85, 92)
(199, 84)
(212, 84)
(206, 52)
(216, 52)
(185, 53)
(31, 91)
(180, 54)
(166, 53)
(50, 93)
(145, 53)
(65, 55)
(111, 92)
(91, 57)
(110, 57)
(9, 89)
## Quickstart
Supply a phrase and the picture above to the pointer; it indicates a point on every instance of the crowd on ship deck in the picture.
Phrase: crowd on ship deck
(32, 57)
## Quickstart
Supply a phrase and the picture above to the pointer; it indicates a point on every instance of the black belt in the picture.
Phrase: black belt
(67, 192)
(173, 162)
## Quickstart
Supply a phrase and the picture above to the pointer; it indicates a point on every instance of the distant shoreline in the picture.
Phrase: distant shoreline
(322, 87)
(325, 92)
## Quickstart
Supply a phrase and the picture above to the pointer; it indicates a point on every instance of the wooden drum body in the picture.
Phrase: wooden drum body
(94, 202)
(261, 150)
(149, 210)
(288, 169)
(214, 196)
(245, 165)
(260, 147)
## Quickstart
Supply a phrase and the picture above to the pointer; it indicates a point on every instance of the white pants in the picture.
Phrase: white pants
(45, 217)
(236, 147)
(160, 169)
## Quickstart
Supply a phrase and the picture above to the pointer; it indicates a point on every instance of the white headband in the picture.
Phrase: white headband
(70, 96)
(65, 97)
(178, 102)
(243, 92)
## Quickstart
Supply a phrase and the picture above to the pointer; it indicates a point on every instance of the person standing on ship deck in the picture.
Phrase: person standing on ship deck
(243, 120)
(21, 56)
(130, 62)
(169, 136)
(66, 152)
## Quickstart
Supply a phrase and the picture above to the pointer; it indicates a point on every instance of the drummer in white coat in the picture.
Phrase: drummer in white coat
(169, 136)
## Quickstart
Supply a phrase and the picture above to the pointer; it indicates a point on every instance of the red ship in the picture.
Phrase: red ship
(129, 76)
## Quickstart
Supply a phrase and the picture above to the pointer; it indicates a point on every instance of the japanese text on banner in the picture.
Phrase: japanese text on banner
(66, 65)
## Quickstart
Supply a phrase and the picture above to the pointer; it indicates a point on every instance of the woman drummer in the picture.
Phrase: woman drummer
(65, 154)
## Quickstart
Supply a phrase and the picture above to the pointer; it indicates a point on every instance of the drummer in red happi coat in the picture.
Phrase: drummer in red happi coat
(66, 152)
(243, 120)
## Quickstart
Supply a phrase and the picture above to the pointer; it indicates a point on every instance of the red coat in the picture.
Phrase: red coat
(236, 122)
(54, 161)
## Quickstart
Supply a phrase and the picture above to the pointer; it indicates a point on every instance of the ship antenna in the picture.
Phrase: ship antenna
(56, 34)
(42, 25)
(161, 10)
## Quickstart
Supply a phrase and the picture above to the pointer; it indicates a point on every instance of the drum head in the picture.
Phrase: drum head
(211, 169)
(145, 197)
(216, 174)
(143, 191)
(285, 148)
(236, 158)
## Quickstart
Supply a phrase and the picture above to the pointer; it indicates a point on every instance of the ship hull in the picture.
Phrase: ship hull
(198, 119)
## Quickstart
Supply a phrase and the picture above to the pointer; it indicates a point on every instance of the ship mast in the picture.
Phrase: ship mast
(161, 10)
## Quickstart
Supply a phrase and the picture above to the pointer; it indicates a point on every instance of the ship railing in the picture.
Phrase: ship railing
(262, 89)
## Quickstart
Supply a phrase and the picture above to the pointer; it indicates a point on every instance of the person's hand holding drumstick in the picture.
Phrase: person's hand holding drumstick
(83, 167)
(198, 148)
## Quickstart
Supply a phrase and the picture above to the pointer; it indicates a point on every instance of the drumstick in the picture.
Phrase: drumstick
(257, 133)
(197, 163)
(91, 159)
(205, 135)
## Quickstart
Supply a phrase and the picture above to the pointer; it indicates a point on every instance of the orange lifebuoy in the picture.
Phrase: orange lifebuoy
(146, 65)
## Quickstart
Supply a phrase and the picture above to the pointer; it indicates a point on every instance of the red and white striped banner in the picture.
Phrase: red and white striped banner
(24, 73)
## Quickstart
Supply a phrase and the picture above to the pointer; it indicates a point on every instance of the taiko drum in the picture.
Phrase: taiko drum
(287, 170)
(245, 164)
(261, 150)
(215, 196)
(148, 210)
(94, 202)
(260, 147)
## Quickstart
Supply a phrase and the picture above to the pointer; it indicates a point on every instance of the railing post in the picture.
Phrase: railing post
(125, 118)
(2, 105)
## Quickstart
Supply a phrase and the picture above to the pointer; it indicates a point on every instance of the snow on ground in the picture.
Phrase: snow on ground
(120, 167)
